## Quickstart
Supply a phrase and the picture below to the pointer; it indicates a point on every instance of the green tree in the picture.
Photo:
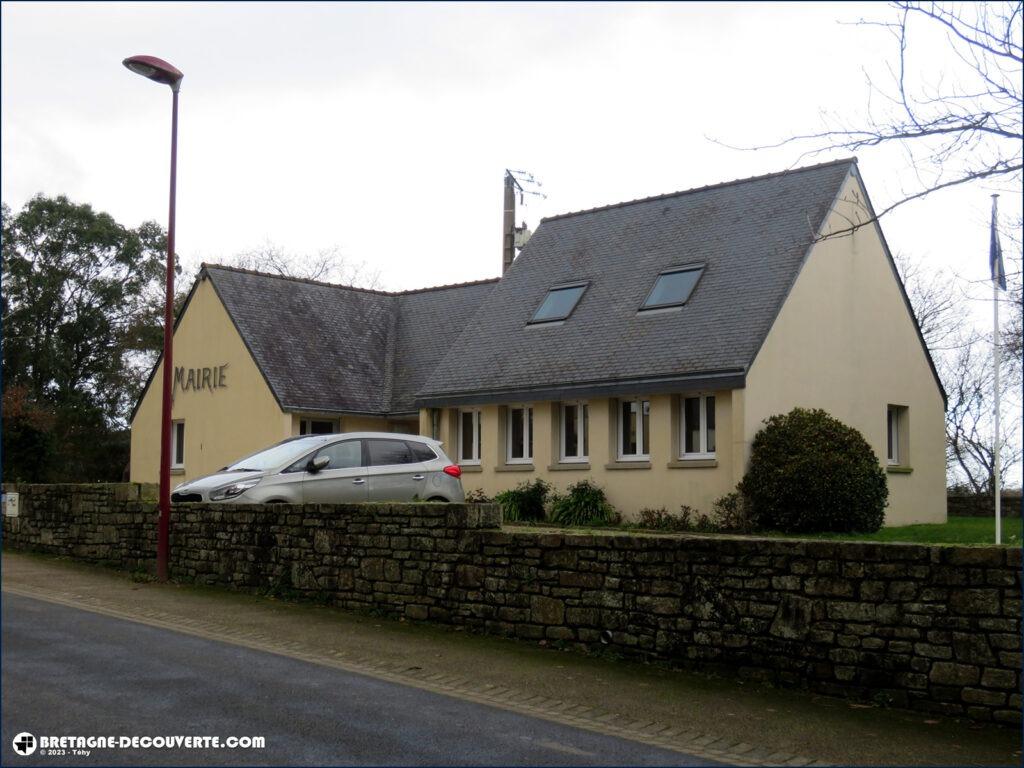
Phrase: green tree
(78, 297)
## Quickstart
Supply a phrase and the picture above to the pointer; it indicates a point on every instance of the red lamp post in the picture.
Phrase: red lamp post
(161, 72)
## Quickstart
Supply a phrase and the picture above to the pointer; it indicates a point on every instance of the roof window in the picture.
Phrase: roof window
(673, 287)
(559, 303)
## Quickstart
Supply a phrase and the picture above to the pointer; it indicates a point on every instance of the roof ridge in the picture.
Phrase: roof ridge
(376, 291)
(706, 187)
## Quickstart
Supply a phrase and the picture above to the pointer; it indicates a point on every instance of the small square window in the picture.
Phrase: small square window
(559, 303)
(673, 287)
(317, 427)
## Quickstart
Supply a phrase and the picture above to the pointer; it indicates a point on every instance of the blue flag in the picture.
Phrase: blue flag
(995, 252)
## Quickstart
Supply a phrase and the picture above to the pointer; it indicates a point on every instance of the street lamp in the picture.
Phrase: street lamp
(161, 72)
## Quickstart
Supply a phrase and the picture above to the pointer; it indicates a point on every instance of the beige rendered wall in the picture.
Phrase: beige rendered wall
(845, 342)
(221, 425)
(630, 486)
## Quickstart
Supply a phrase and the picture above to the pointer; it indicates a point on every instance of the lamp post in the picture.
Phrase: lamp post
(161, 72)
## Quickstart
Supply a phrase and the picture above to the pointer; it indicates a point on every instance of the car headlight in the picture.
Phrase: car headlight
(235, 489)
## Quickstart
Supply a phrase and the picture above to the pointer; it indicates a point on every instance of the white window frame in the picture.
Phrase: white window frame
(175, 464)
(582, 438)
(892, 435)
(527, 445)
(639, 429)
(703, 453)
(477, 437)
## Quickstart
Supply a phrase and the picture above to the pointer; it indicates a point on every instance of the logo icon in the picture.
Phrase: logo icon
(25, 744)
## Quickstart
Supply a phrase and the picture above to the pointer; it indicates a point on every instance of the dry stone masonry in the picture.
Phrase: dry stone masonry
(930, 628)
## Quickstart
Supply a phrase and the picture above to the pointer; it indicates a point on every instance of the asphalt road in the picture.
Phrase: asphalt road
(76, 673)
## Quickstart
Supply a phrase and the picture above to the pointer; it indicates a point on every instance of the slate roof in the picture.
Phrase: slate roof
(329, 348)
(751, 235)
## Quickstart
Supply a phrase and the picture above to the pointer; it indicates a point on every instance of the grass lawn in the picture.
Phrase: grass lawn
(958, 530)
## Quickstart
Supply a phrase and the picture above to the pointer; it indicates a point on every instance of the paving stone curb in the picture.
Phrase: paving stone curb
(676, 738)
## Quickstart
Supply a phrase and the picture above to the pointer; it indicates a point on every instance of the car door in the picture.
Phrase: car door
(392, 472)
(342, 481)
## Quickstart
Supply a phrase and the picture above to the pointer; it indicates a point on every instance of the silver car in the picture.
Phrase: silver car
(336, 469)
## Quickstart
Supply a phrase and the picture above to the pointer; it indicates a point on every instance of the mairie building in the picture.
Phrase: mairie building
(639, 345)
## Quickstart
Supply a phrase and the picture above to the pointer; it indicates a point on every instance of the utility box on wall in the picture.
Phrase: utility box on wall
(10, 504)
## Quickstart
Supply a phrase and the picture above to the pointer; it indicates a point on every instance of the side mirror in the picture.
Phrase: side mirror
(315, 465)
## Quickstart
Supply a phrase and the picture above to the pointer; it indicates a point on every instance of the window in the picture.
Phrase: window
(897, 450)
(469, 437)
(178, 445)
(574, 429)
(559, 303)
(673, 287)
(421, 451)
(435, 423)
(344, 455)
(383, 453)
(520, 434)
(697, 422)
(634, 426)
(316, 427)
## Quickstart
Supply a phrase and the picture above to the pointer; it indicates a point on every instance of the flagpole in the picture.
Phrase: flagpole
(995, 378)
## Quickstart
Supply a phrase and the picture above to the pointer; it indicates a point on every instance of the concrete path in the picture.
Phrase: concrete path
(690, 714)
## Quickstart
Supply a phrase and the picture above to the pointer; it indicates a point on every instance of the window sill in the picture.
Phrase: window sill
(177, 470)
(646, 464)
(693, 464)
(470, 468)
(514, 468)
(568, 466)
(898, 469)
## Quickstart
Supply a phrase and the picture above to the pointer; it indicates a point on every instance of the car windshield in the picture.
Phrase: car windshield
(276, 455)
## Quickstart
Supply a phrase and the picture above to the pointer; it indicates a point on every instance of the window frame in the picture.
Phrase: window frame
(703, 453)
(698, 268)
(527, 446)
(177, 443)
(477, 437)
(582, 408)
(561, 287)
(307, 425)
(897, 448)
(642, 434)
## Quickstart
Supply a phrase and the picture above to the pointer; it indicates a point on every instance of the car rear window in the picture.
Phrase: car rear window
(385, 452)
(421, 451)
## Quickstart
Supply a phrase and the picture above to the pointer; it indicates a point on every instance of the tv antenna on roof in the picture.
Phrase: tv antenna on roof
(524, 183)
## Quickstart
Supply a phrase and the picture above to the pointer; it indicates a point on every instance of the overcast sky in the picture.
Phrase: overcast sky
(385, 129)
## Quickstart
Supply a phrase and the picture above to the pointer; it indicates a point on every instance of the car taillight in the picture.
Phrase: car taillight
(454, 470)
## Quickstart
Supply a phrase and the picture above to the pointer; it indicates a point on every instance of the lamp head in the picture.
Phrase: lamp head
(155, 69)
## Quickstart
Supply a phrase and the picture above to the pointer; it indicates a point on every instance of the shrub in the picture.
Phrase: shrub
(731, 514)
(810, 472)
(524, 502)
(477, 496)
(688, 519)
(583, 504)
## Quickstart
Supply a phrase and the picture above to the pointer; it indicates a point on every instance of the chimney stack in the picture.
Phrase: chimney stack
(508, 224)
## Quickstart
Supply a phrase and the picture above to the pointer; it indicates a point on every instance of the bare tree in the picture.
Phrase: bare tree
(937, 301)
(963, 126)
(970, 443)
(326, 265)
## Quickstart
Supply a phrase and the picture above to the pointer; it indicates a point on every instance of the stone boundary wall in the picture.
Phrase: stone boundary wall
(973, 505)
(929, 628)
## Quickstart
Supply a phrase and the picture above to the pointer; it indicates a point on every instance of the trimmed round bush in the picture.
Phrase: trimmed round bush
(810, 472)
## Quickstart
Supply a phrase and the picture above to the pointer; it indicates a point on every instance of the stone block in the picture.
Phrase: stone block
(983, 697)
(546, 610)
(972, 648)
(975, 602)
(1005, 679)
(851, 611)
(950, 673)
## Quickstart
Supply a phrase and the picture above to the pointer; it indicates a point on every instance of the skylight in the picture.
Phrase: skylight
(673, 287)
(559, 303)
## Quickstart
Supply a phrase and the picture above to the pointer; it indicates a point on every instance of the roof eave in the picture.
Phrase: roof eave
(717, 380)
